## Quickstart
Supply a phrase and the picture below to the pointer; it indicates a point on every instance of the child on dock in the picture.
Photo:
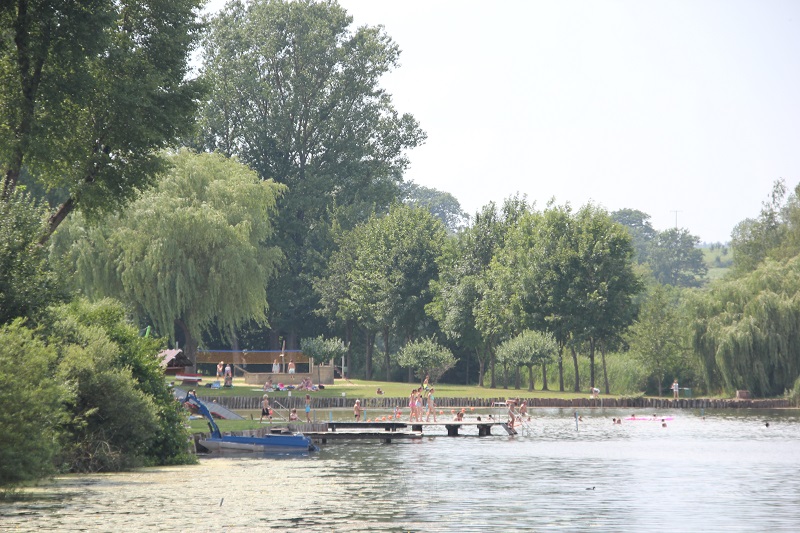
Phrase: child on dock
(431, 406)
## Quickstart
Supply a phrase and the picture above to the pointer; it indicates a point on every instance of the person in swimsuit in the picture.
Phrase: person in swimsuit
(431, 407)
(291, 366)
(308, 408)
(276, 367)
(357, 410)
(219, 369)
(265, 411)
(523, 409)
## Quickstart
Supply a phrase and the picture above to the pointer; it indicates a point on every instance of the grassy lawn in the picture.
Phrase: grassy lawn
(357, 388)
(354, 388)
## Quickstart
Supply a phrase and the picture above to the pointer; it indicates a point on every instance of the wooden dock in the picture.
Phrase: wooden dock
(388, 431)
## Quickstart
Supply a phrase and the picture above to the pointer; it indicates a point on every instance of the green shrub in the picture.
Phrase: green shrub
(30, 406)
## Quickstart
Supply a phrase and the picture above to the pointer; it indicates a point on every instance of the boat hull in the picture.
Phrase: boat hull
(267, 443)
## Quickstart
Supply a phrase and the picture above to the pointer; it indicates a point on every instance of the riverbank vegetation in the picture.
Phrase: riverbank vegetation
(260, 203)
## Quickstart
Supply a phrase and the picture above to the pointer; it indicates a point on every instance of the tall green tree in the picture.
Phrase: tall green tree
(27, 283)
(642, 232)
(541, 260)
(675, 259)
(572, 275)
(459, 289)
(658, 338)
(295, 94)
(492, 307)
(774, 234)
(440, 204)
(395, 263)
(334, 291)
(605, 284)
(189, 255)
(92, 92)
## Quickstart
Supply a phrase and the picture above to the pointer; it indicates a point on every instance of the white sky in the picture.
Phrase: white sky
(662, 106)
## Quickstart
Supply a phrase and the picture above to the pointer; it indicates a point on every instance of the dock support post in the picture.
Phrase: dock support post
(452, 430)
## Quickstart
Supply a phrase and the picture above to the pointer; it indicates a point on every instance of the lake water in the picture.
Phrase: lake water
(725, 472)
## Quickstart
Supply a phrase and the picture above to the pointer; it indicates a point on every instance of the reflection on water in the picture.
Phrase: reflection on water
(727, 472)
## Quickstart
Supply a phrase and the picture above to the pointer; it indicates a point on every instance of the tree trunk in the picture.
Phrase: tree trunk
(466, 381)
(368, 358)
(517, 380)
(591, 362)
(561, 367)
(348, 335)
(605, 372)
(386, 352)
(575, 363)
(237, 355)
(544, 376)
(493, 365)
(481, 370)
(274, 340)
(57, 218)
(530, 378)
(190, 344)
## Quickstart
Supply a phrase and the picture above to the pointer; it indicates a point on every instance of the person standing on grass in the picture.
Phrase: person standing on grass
(675, 389)
(219, 369)
(308, 408)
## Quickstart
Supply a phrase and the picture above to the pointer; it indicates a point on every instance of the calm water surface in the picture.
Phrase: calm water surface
(727, 472)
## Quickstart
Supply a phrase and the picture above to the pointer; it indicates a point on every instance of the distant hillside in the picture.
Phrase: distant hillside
(718, 258)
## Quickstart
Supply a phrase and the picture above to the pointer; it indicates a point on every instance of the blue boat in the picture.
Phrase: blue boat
(272, 443)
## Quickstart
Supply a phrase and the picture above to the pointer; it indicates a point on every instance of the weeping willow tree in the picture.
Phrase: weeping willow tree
(747, 330)
(189, 254)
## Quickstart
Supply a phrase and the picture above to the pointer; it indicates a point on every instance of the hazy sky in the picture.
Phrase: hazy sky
(662, 106)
